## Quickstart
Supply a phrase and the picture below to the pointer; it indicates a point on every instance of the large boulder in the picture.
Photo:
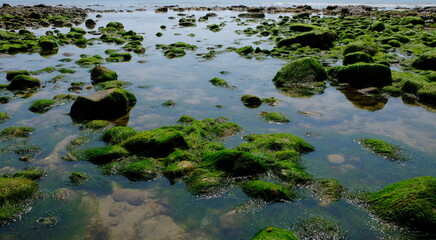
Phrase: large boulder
(304, 70)
(105, 104)
(102, 74)
(410, 203)
(23, 82)
(363, 75)
(322, 39)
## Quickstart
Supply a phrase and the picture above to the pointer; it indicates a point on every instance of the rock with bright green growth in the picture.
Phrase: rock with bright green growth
(275, 143)
(178, 169)
(102, 74)
(270, 192)
(86, 61)
(428, 93)
(32, 174)
(47, 43)
(97, 124)
(155, 143)
(245, 50)
(302, 71)
(359, 46)
(322, 39)
(14, 192)
(4, 117)
(251, 101)
(205, 182)
(116, 25)
(426, 61)
(363, 75)
(42, 105)
(356, 57)
(411, 20)
(384, 149)
(410, 203)
(275, 117)
(142, 170)
(103, 155)
(119, 57)
(328, 190)
(112, 84)
(23, 82)
(320, 228)
(219, 82)
(17, 132)
(235, 163)
(78, 178)
(11, 74)
(272, 233)
(104, 104)
(116, 135)
(226, 129)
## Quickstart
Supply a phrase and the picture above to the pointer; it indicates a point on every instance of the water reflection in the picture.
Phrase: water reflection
(366, 99)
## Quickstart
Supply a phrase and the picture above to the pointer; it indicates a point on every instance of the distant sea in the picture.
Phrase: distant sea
(122, 4)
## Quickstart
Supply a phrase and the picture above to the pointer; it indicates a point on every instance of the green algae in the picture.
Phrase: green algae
(270, 192)
(4, 117)
(272, 233)
(408, 203)
(304, 70)
(118, 134)
(97, 124)
(142, 170)
(23, 82)
(219, 82)
(78, 178)
(101, 74)
(103, 155)
(42, 105)
(320, 228)
(384, 149)
(274, 117)
(363, 75)
(22, 132)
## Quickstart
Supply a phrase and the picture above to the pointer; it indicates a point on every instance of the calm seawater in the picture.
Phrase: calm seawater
(107, 207)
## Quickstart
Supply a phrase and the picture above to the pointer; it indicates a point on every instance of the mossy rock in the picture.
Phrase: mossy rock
(116, 25)
(428, 93)
(174, 53)
(275, 117)
(320, 228)
(11, 74)
(13, 194)
(47, 43)
(85, 61)
(251, 101)
(65, 97)
(116, 135)
(23, 82)
(304, 70)
(142, 170)
(411, 20)
(219, 82)
(17, 132)
(156, 143)
(356, 57)
(43, 70)
(272, 233)
(426, 61)
(235, 163)
(360, 46)
(315, 39)
(328, 190)
(112, 84)
(32, 174)
(276, 142)
(119, 57)
(42, 105)
(245, 50)
(4, 117)
(384, 149)
(408, 203)
(66, 71)
(205, 182)
(101, 74)
(270, 192)
(104, 155)
(303, 27)
(185, 119)
(97, 124)
(78, 178)
(290, 170)
(104, 104)
(226, 129)
(377, 26)
(178, 169)
(363, 75)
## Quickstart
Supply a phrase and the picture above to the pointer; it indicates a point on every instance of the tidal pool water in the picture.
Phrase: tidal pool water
(113, 207)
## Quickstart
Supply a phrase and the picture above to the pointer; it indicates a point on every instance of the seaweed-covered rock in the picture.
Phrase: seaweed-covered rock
(205, 182)
(275, 143)
(156, 143)
(328, 190)
(17, 132)
(409, 203)
(178, 169)
(270, 192)
(251, 101)
(78, 178)
(356, 57)
(320, 228)
(426, 61)
(141, 170)
(360, 46)
(411, 20)
(322, 39)
(377, 26)
(101, 74)
(85, 61)
(11, 74)
(22, 82)
(428, 93)
(47, 43)
(363, 75)
(272, 233)
(303, 27)
(4, 117)
(235, 163)
(42, 105)
(274, 117)
(382, 148)
(304, 70)
(103, 155)
(97, 124)
(13, 193)
(105, 104)
(219, 82)
(245, 50)
(118, 134)
(32, 174)
(119, 57)
(117, 25)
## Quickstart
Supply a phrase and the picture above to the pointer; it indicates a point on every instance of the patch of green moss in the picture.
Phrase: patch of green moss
(101, 74)
(251, 101)
(320, 228)
(275, 117)
(86, 61)
(186, 119)
(11, 74)
(66, 71)
(411, 20)
(32, 174)
(44, 70)
(426, 61)
(272, 233)
(428, 93)
(245, 50)
(356, 57)
(206, 183)
(116, 135)
(22, 82)
(17, 131)
(142, 170)
(363, 75)
(4, 117)
(103, 155)
(359, 46)
(42, 105)
(270, 143)
(270, 192)
(119, 57)
(97, 124)
(328, 190)
(219, 82)
(383, 149)
(304, 70)
(78, 178)
(408, 203)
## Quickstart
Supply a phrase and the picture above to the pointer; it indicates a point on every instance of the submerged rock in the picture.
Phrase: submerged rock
(270, 192)
(23, 82)
(105, 104)
(383, 149)
(102, 74)
(408, 203)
